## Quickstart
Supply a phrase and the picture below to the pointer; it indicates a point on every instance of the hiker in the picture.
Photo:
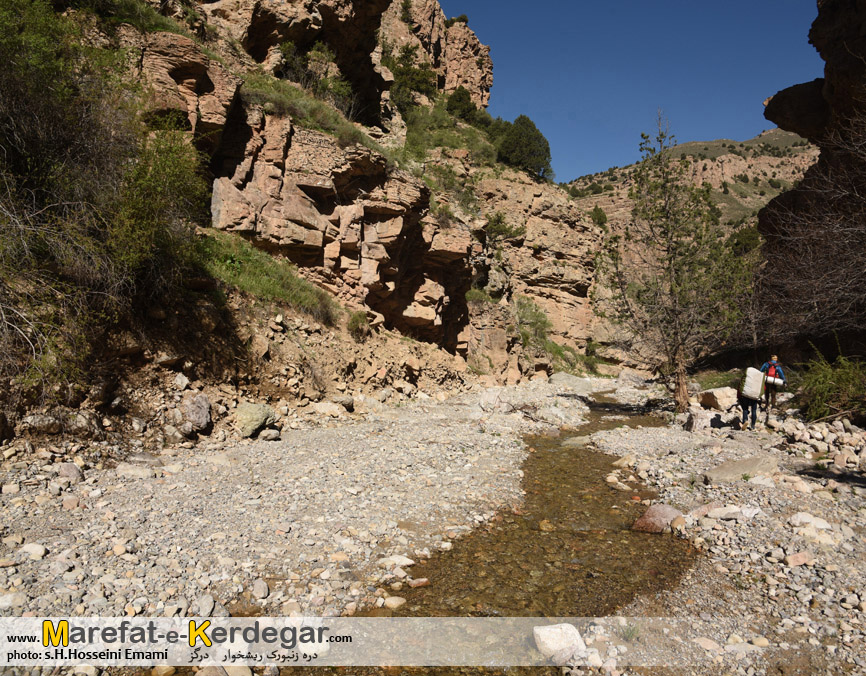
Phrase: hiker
(773, 370)
(749, 393)
(747, 405)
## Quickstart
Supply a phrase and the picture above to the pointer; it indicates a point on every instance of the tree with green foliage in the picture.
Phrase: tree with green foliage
(409, 79)
(525, 147)
(406, 12)
(675, 286)
(460, 104)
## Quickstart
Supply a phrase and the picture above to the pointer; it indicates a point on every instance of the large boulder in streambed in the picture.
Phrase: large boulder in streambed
(735, 470)
(657, 519)
(250, 418)
(719, 399)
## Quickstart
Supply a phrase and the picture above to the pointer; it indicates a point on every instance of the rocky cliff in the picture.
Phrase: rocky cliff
(454, 50)
(817, 228)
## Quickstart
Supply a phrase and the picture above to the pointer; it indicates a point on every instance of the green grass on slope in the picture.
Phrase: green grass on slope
(234, 261)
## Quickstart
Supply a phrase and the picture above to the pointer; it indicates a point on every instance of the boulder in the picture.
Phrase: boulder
(558, 639)
(735, 470)
(250, 418)
(41, 424)
(328, 408)
(196, 411)
(128, 471)
(71, 471)
(656, 519)
(720, 398)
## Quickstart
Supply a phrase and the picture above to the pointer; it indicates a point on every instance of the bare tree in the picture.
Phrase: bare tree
(814, 279)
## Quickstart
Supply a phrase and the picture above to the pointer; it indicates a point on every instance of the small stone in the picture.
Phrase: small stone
(799, 559)
(71, 471)
(394, 602)
(119, 550)
(656, 519)
(162, 671)
(35, 551)
(269, 435)
(13, 600)
(760, 641)
(260, 589)
(238, 671)
(10, 489)
(181, 382)
(419, 582)
(70, 503)
(204, 605)
(85, 670)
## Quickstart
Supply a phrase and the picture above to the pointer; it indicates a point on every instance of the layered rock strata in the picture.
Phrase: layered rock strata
(350, 223)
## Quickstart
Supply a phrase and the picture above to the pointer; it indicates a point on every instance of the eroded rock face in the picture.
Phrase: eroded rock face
(352, 225)
(819, 223)
(454, 52)
(348, 27)
(184, 81)
(553, 263)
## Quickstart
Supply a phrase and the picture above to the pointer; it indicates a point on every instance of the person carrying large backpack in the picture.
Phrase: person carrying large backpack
(749, 394)
(773, 369)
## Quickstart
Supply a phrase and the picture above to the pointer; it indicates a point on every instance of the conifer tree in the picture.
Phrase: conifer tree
(675, 286)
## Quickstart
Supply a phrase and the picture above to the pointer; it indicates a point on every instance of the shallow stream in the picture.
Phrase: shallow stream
(568, 552)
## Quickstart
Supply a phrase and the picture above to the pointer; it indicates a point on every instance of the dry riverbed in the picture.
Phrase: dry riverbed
(302, 525)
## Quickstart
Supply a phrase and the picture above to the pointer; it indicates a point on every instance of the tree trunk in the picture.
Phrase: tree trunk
(681, 391)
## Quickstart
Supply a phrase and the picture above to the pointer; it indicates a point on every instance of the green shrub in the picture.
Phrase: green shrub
(598, 216)
(478, 296)
(457, 19)
(460, 104)
(406, 12)
(435, 127)
(234, 261)
(409, 79)
(532, 323)
(745, 240)
(499, 230)
(834, 388)
(359, 326)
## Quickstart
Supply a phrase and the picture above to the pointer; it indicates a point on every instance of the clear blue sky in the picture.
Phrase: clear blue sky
(592, 74)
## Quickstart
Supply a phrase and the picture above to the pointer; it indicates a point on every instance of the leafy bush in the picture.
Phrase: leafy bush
(96, 208)
(525, 147)
(460, 104)
(498, 229)
(598, 216)
(532, 323)
(834, 388)
(478, 296)
(234, 261)
(359, 326)
(745, 240)
(406, 12)
(435, 127)
(313, 70)
(457, 19)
